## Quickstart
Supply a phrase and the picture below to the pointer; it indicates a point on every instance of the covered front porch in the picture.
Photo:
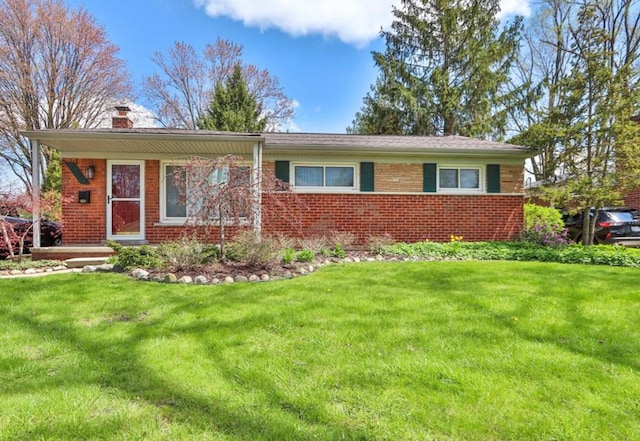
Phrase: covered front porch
(122, 198)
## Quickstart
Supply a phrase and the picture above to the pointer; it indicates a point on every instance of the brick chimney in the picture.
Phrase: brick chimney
(121, 120)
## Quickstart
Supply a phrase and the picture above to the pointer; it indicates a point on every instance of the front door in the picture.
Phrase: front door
(125, 200)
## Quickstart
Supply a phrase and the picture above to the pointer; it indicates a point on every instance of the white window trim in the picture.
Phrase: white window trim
(481, 184)
(164, 219)
(163, 195)
(324, 189)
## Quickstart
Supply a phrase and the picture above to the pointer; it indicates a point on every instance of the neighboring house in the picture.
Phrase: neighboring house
(411, 188)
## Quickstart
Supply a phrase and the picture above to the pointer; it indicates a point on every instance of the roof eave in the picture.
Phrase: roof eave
(516, 153)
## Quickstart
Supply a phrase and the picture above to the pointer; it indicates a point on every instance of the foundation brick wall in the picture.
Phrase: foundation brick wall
(408, 218)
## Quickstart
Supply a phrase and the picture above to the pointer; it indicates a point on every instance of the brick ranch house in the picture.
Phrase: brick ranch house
(411, 188)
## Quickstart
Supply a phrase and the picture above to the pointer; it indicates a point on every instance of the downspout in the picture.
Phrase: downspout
(35, 192)
(257, 188)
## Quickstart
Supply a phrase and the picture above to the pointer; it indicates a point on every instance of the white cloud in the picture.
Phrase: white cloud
(355, 22)
(508, 7)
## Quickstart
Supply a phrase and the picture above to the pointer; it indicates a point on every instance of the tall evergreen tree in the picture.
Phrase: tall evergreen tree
(233, 108)
(444, 71)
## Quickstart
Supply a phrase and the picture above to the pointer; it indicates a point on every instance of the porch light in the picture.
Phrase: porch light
(90, 172)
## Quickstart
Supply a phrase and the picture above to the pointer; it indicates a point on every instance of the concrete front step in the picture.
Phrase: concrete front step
(80, 262)
(71, 252)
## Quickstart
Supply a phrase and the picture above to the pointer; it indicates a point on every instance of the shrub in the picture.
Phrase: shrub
(135, 257)
(250, 248)
(543, 226)
(288, 254)
(336, 251)
(305, 255)
(314, 243)
(377, 244)
(188, 252)
(344, 239)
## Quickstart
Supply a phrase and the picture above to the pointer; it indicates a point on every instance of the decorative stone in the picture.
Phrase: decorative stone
(157, 278)
(303, 271)
(200, 280)
(30, 271)
(140, 274)
(356, 259)
(15, 272)
(379, 257)
(89, 269)
(287, 275)
(215, 281)
(264, 277)
(311, 268)
(254, 278)
(241, 279)
(59, 268)
(105, 268)
(185, 280)
(170, 278)
(228, 279)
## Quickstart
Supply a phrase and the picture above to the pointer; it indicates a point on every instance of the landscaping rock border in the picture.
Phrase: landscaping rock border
(244, 276)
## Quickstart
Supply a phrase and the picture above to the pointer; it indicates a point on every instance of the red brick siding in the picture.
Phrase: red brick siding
(633, 199)
(84, 223)
(408, 217)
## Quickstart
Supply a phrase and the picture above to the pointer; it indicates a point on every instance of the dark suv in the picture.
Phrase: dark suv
(614, 226)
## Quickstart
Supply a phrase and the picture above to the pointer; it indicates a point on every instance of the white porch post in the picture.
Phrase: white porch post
(257, 188)
(35, 191)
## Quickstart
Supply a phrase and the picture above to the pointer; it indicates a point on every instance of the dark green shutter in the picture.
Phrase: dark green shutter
(366, 176)
(282, 171)
(429, 178)
(493, 178)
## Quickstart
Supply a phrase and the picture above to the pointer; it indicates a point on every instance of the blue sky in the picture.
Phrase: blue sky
(319, 50)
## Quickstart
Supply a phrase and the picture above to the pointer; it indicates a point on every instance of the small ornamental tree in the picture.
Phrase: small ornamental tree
(222, 193)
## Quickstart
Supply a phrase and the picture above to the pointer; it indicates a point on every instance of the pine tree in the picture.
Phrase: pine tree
(443, 71)
(233, 109)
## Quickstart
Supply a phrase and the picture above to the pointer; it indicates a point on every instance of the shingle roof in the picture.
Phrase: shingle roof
(203, 141)
(386, 142)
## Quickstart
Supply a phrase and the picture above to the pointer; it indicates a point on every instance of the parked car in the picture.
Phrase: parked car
(50, 233)
(614, 226)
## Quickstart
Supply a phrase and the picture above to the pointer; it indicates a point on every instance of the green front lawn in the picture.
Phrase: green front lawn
(371, 351)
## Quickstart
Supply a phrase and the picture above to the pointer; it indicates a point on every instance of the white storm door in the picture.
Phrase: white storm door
(125, 200)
